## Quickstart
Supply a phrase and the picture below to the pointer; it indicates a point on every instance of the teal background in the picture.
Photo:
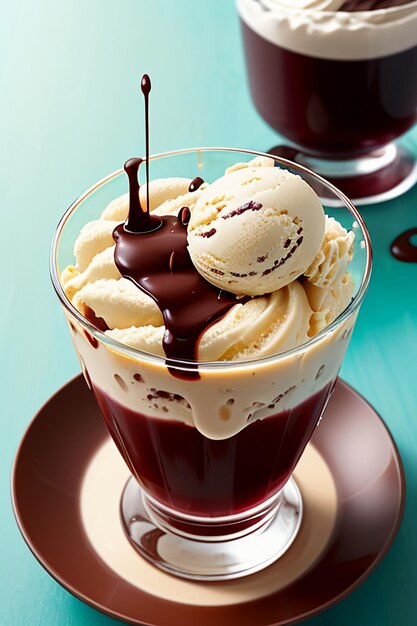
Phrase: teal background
(70, 113)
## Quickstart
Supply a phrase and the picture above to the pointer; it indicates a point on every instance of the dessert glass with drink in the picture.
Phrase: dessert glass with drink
(336, 79)
(212, 442)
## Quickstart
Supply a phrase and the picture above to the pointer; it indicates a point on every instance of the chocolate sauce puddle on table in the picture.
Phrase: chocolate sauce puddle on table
(152, 252)
(402, 248)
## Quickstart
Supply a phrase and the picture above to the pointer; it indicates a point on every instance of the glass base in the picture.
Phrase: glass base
(374, 177)
(211, 548)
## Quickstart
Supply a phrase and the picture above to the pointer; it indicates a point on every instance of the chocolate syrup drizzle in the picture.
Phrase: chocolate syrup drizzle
(145, 86)
(402, 248)
(152, 252)
(138, 220)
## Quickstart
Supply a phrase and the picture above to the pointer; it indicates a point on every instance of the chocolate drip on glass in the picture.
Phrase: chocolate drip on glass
(403, 249)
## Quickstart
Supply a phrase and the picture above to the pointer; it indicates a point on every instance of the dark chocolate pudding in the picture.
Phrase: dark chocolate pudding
(188, 472)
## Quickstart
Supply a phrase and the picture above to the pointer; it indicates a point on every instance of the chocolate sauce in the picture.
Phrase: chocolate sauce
(195, 183)
(138, 220)
(145, 86)
(402, 248)
(371, 5)
(158, 262)
(98, 322)
(152, 252)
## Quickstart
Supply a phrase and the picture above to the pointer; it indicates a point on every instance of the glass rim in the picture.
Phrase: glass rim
(182, 364)
(327, 13)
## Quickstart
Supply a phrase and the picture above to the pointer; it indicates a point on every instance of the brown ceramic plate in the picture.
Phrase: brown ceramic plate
(67, 433)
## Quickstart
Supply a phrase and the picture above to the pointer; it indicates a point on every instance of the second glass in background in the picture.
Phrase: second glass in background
(340, 87)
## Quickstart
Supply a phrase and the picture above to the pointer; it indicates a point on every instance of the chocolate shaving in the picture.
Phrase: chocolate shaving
(208, 233)
(248, 206)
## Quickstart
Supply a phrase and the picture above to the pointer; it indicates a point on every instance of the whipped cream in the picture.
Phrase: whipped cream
(318, 28)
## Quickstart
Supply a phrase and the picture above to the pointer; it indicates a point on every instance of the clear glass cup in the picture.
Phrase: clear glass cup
(211, 495)
(339, 87)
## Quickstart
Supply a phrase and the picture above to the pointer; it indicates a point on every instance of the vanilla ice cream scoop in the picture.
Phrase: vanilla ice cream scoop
(255, 230)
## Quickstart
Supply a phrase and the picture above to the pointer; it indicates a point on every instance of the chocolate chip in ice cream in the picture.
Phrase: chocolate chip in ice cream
(145, 251)
(195, 183)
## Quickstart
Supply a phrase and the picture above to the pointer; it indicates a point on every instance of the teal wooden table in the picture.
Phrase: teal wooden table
(71, 112)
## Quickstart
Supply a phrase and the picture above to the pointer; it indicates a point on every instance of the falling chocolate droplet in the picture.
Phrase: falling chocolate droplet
(145, 84)
(403, 249)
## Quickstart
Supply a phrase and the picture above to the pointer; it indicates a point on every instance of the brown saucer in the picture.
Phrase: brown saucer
(67, 439)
